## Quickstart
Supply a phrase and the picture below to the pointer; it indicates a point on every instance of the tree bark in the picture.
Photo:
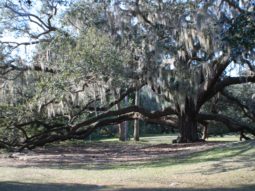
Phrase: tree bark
(188, 129)
(187, 123)
(233, 124)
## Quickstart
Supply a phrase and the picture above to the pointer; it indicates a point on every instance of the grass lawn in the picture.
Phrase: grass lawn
(150, 165)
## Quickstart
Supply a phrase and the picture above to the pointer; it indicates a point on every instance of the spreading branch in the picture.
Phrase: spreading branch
(244, 108)
(221, 84)
(232, 124)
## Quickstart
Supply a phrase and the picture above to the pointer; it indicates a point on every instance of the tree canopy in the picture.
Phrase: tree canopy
(66, 65)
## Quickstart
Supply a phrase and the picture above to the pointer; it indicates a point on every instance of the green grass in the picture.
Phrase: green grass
(167, 139)
(244, 149)
(229, 167)
(227, 138)
(149, 139)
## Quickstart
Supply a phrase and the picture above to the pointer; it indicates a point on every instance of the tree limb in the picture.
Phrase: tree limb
(243, 107)
(232, 124)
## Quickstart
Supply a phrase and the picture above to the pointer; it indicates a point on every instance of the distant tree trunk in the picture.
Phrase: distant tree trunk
(121, 127)
(205, 132)
(15, 137)
(136, 122)
(126, 138)
(126, 122)
(188, 124)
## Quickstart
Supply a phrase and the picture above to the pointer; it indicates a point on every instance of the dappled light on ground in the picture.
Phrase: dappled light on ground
(102, 155)
(110, 166)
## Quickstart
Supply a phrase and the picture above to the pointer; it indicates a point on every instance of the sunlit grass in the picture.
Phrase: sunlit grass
(229, 138)
(167, 139)
(149, 139)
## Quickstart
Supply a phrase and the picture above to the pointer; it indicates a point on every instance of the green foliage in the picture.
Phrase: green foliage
(241, 34)
(93, 51)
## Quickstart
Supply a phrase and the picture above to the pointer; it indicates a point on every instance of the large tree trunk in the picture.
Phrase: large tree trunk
(188, 125)
(188, 129)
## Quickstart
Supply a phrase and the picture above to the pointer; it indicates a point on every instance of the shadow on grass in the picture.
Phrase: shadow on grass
(242, 152)
(17, 186)
(243, 188)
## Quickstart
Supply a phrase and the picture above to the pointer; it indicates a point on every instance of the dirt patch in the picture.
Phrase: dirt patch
(98, 155)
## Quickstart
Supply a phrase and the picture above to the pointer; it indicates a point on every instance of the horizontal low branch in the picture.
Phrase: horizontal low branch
(246, 110)
(134, 109)
(85, 128)
(82, 134)
(231, 123)
(233, 80)
(13, 67)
